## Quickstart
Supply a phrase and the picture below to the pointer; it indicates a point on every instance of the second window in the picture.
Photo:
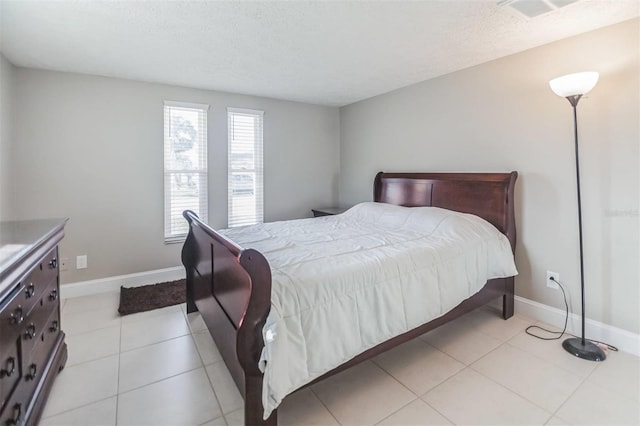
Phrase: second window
(245, 167)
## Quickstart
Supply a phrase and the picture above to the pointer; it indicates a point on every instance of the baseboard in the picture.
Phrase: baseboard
(104, 285)
(595, 330)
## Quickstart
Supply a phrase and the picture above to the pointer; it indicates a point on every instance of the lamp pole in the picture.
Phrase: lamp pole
(573, 100)
(573, 87)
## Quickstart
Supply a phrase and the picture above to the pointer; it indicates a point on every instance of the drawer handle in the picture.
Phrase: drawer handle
(17, 316)
(53, 263)
(9, 369)
(54, 326)
(31, 332)
(30, 291)
(17, 413)
(53, 295)
(33, 369)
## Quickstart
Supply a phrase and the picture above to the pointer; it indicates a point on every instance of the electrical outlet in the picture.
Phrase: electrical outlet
(81, 262)
(550, 283)
(64, 263)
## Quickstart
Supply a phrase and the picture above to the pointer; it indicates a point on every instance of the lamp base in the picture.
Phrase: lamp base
(588, 351)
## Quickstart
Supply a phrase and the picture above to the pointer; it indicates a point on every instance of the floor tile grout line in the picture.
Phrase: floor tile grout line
(85, 310)
(435, 387)
(468, 367)
(89, 331)
(403, 406)
(128, 350)
(545, 359)
(210, 420)
(155, 343)
(192, 332)
(438, 411)
(163, 340)
(231, 412)
(620, 395)
(485, 355)
(373, 360)
(97, 400)
(82, 406)
(159, 380)
(582, 382)
(475, 330)
(198, 348)
(98, 296)
(397, 381)
(213, 389)
(91, 360)
(120, 320)
(510, 390)
(324, 405)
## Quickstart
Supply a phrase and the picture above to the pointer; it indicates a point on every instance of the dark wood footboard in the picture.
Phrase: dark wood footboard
(231, 286)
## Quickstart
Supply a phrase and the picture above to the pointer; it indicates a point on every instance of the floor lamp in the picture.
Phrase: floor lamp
(572, 87)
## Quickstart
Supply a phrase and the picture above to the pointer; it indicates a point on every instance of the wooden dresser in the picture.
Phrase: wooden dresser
(32, 348)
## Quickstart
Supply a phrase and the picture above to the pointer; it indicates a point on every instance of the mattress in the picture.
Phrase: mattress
(345, 283)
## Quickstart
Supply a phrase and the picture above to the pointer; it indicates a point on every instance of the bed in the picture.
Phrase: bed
(232, 286)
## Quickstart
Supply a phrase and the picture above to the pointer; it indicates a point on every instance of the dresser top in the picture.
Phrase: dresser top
(19, 238)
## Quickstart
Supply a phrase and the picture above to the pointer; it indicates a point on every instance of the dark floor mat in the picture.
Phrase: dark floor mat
(150, 297)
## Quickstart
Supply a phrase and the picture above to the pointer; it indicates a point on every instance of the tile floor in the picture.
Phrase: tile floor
(162, 368)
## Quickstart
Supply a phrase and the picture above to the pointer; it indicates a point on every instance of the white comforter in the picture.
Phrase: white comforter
(343, 284)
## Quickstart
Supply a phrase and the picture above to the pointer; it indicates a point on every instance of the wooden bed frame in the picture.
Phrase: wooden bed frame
(231, 286)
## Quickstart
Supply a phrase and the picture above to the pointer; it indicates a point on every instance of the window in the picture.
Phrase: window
(245, 167)
(185, 166)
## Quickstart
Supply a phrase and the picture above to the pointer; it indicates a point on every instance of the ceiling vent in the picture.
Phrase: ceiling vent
(533, 8)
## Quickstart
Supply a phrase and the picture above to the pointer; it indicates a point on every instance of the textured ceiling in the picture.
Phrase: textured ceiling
(325, 52)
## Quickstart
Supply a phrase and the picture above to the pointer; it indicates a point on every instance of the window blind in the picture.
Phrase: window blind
(185, 166)
(245, 167)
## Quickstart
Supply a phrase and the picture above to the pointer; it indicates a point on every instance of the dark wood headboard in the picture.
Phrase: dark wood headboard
(488, 195)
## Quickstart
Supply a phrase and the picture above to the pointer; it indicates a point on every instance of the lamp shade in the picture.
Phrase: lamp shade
(574, 84)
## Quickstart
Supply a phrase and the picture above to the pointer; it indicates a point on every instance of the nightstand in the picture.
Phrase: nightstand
(328, 211)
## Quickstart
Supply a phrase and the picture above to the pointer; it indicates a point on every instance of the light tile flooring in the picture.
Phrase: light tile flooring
(162, 368)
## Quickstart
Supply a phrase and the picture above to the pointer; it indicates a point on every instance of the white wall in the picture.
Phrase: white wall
(91, 149)
(6, 122)
(502, 116)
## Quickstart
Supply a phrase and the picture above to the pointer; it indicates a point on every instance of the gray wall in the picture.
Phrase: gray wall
(502, 116)
(91, 149)
(7, 71)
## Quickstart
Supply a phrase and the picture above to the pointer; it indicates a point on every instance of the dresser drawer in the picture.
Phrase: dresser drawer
(35, 356)
(14, 411)
(34, 368)
(48, 301)
(36, 282)
(12, 316)
(51, 330)
(10, 369)
(38, 321)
